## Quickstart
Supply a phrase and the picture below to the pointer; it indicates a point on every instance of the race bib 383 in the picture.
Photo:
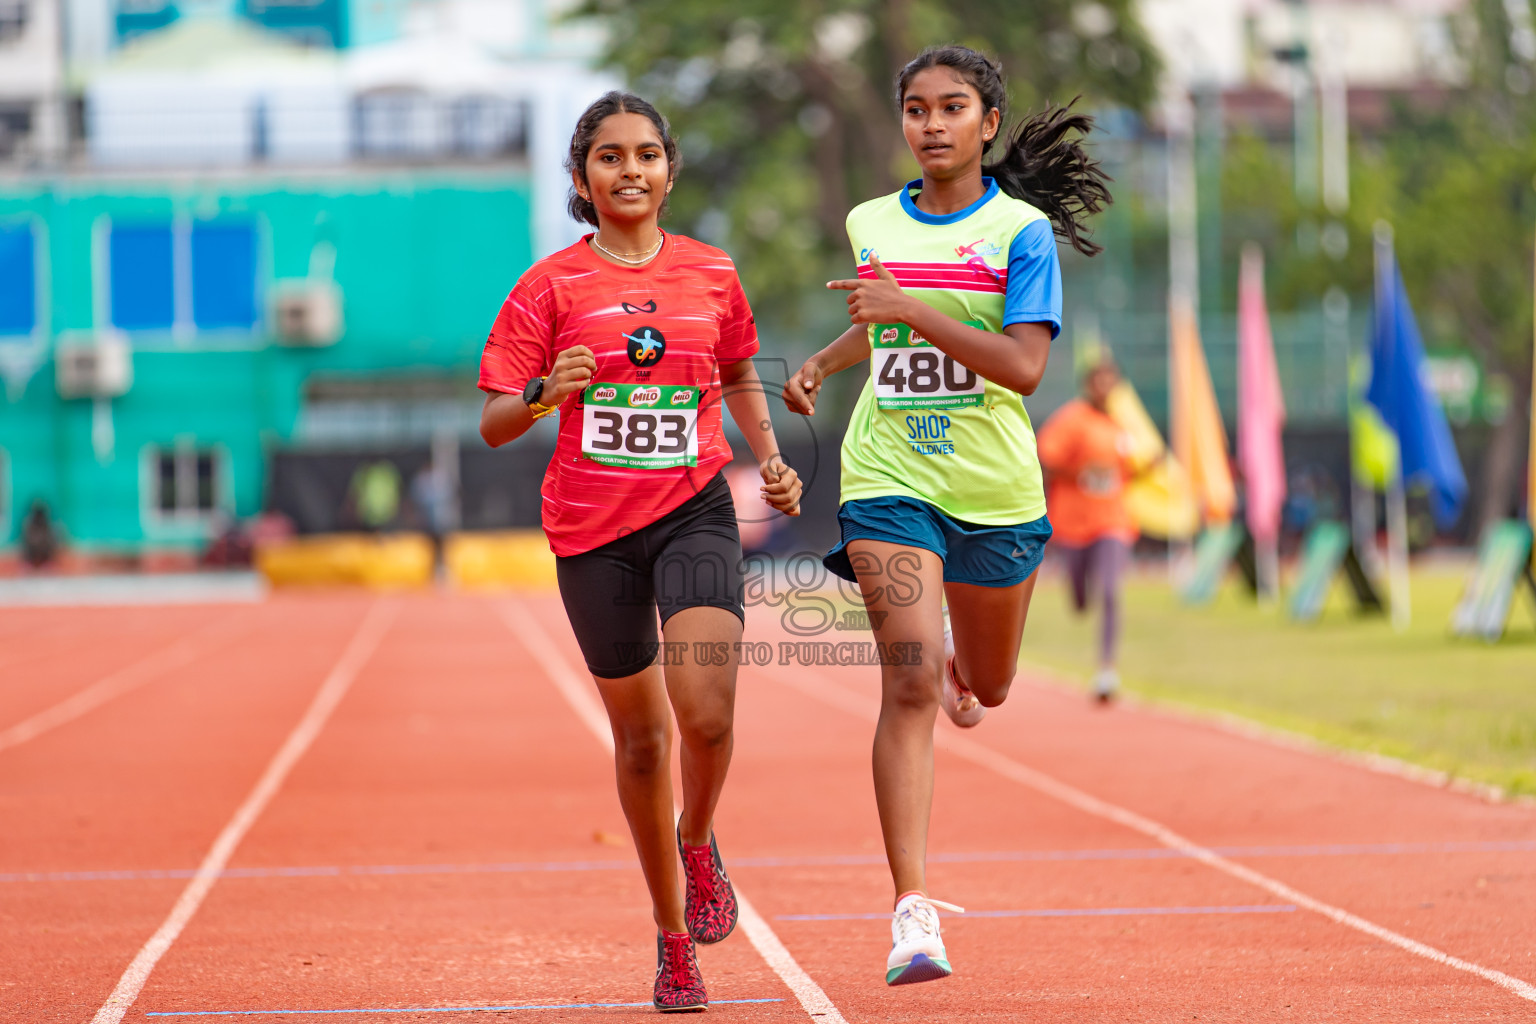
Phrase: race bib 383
(641, 426)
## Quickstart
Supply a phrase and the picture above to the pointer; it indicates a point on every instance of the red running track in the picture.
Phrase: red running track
(444, 839)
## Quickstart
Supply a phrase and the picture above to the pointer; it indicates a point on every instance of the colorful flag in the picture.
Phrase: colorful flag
(1260, 403)
(1426, 452)
(1158, 495)
(1199, 437)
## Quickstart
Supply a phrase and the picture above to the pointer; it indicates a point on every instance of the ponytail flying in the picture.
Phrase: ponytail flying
(1043, 161)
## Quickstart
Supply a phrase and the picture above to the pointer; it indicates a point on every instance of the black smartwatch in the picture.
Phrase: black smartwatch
(532, 392)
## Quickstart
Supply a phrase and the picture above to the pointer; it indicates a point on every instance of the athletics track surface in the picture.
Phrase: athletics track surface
(395, 805)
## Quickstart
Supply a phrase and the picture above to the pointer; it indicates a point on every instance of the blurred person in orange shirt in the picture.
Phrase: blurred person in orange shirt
(1087, 458)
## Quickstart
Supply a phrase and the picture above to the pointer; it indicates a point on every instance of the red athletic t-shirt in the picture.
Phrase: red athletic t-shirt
(668, 326)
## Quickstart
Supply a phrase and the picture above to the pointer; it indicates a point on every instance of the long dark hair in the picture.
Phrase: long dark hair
(1043, 162)
(604, 107)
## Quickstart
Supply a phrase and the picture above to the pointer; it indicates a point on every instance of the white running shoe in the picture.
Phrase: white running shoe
(1106, 683)
(958, 703)
(917, 951)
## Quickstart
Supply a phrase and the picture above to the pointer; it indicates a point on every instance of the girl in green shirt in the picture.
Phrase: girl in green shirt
(957, 300)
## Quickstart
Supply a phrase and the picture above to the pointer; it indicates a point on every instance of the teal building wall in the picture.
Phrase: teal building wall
(329, 23)
(423, 261)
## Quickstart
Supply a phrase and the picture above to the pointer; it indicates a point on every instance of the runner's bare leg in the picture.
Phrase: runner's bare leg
(988, 627)
(902, 589)
(702, 688)
(641, 719)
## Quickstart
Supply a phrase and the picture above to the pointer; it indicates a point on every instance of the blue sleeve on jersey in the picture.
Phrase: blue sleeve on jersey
(1034, 278)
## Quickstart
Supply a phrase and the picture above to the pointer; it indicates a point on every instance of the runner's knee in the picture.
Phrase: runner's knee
(912, 687)
(989, 683)
(642, 750)
(706, 730)
(990, 696)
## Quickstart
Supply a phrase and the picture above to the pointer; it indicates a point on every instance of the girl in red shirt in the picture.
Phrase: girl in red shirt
(637, 336)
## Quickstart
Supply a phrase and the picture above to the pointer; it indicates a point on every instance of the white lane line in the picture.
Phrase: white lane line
(823, 688)
(575, 690)
(178, 655)
(768, 946)
(132, 590)
(364, 642)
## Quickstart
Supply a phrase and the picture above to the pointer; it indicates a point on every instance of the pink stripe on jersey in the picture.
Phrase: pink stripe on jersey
(974, 276)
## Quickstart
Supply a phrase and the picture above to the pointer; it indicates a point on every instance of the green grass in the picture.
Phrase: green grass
(1462, 707)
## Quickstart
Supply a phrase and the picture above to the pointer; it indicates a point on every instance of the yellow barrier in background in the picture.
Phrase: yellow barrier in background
(346, 559)
(510, 559)
(515, 559)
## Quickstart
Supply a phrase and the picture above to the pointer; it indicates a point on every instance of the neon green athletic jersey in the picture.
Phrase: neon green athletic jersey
(926, 427)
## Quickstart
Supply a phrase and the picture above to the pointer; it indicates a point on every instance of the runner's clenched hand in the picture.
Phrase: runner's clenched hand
(573, 370)
(803, 386)
(781, 485)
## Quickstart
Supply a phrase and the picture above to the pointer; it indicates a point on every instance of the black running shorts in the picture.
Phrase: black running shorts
(689, 558)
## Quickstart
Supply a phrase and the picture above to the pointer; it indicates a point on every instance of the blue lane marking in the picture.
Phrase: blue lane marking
(846, 860)
(432, 1009)
(1256, 908)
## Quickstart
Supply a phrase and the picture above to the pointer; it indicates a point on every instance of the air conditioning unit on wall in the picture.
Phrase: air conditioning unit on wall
(306, 313)
(98, 365)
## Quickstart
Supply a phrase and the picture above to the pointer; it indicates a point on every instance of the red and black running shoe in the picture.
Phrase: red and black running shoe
(679, 986)
(710, 906)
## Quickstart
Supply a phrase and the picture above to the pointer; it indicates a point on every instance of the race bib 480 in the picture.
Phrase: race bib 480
(909, 373)
(641, 426)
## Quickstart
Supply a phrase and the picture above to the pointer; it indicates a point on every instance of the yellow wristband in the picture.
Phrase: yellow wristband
(541, 410)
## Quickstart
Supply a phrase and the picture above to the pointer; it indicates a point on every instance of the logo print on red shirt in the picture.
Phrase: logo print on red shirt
(646, 346)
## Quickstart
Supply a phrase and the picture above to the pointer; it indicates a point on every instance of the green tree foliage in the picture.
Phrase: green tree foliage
(1457, 184)
(786, 115)
(1453, 174)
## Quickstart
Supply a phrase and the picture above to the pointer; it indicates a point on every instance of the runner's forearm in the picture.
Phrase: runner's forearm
(749, 407)
(1014, 359)
(850, 349)
(504, 418)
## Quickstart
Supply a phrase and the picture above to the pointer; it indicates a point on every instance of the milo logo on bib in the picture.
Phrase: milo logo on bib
(641, 426)
(909, 373)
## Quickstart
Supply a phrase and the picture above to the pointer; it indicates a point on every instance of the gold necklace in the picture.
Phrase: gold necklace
(623, 257)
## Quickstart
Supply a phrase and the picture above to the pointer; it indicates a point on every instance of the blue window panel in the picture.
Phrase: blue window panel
(311, 22)
(18, 280)
(143, 16)
(224, 275)
(143, 279)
